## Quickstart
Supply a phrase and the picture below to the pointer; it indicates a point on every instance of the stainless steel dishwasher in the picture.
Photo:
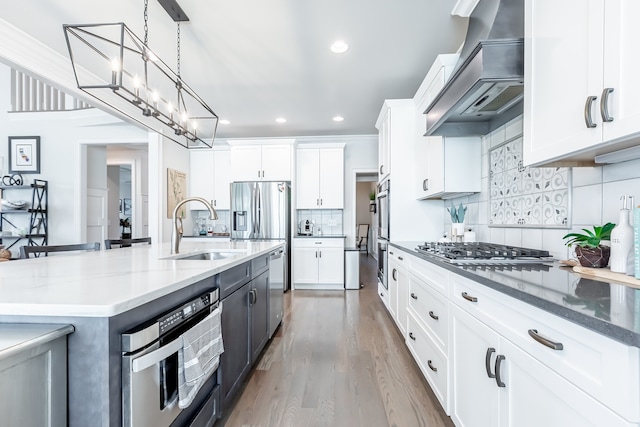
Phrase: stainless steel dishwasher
(277, 286)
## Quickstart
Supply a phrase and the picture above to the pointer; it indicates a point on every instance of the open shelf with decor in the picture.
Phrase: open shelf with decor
(19, 221)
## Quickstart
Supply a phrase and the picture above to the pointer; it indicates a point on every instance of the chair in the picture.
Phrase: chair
(362, 239)
(46, 250)
(125, 243)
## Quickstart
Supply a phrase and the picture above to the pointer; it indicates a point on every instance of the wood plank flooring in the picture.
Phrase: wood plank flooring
(337, 360)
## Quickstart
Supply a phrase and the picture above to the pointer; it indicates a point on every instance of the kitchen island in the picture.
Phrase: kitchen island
(103, 294)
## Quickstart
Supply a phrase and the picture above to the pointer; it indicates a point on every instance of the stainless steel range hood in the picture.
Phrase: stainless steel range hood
(486, 88)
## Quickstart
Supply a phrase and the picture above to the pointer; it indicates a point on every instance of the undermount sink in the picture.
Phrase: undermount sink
(208, 256)
(205, 255)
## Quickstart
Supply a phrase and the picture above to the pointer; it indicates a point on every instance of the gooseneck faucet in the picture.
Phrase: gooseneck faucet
(176, 231)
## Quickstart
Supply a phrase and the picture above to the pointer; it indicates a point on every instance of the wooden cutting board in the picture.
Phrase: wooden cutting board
(606, 275)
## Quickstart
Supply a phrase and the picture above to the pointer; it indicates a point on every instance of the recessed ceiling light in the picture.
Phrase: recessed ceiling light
(339, 47)
(281, 120)
(338, 118)
(224, 122)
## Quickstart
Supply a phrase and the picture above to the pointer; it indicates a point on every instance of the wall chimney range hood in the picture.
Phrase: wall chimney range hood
(486, 88)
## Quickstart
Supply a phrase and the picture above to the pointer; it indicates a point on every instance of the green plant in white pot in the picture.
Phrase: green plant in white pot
(457, 220)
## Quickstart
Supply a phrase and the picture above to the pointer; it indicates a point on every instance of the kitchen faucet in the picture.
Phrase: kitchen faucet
(176, 231)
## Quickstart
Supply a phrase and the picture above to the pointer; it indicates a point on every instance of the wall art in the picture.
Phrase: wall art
(24, 154)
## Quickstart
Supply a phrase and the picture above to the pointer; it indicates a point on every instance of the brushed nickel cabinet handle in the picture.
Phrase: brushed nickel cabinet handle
(533, 333)
(414, 296)
(499, 381)
(394, 274)
(381, 294)
(400, 258)
(487, 362)
(433, 316)
(433, 368)
(412, 336)
(425, 184)
(604, 105)
(588, 120)
(469, 297)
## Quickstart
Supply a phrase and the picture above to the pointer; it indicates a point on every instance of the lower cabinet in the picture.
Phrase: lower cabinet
(259, 310)
(398, 280)
(318, 263)
(245, 323)
(235, 362)
(495, 383)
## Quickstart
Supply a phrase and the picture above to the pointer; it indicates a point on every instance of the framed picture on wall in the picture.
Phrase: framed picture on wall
(24, 154)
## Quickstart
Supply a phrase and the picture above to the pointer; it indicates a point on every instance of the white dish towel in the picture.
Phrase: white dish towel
(199, 356)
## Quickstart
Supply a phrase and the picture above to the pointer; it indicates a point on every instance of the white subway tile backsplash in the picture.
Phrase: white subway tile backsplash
(587, 205)
(532, 238)
(513, 236)
(496, 235)
(553, 242)
(587, 176)
(611, 193)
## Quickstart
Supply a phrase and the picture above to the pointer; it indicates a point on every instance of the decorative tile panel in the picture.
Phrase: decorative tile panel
(521, 196)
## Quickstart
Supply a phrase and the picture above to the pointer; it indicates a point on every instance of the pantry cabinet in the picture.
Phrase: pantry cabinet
(318, 263)
(581, 68)
(320, 178)
(210, 176)
(254, 160)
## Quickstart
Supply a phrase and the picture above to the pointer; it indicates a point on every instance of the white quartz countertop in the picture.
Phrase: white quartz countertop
(110, 282)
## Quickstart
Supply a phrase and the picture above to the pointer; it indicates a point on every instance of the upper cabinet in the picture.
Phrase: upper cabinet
(261, 161)
(384, 135)
(210, 177)
(320, 177)
(581, 68)
(445, 166)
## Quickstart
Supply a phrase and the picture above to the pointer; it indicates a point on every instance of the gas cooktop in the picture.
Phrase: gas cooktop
(483, 253)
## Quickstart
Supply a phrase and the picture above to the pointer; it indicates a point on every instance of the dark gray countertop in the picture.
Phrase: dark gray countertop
(608, 308)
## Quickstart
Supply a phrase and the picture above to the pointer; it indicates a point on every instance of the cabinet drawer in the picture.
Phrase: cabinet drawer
(234, 278)
(606, 369)
(432, 362)
(431, 309)
(259, 265)
(434, 276)
(318, 243)
(384, 295)
(401, 257)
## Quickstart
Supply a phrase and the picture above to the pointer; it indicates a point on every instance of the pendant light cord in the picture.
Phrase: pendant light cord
(178, 43)
(146, 26)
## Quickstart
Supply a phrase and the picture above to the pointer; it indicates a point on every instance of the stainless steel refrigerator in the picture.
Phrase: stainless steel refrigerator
(261, 210)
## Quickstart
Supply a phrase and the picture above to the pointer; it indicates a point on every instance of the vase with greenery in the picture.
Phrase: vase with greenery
(457, 220)
(588, 245)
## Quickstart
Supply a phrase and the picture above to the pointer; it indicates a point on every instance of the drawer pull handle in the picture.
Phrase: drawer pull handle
(414, 296)
(433, 368)
(533, 333)
(400, 258)
(433, 316)
(469, 297)
(604, 105)
(487, 362)
(588, 120)
(412, 336)
(499, 360)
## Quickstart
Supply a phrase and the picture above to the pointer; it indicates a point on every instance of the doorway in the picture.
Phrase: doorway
(366, 212)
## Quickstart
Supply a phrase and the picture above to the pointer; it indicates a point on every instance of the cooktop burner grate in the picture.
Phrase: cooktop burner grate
(478, 252)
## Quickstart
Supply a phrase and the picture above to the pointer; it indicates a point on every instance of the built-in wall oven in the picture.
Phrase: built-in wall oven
(150, 367)
(383, 230)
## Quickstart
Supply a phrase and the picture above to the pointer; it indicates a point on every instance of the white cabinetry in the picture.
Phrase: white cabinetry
(444, 166)
(384, 143)
(320, 178)
(210, 177)
(261, 161)
(595, 42)
(398, 287)
(318, 263)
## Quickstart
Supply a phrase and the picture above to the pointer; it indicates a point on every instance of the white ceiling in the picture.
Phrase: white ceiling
(255, 60)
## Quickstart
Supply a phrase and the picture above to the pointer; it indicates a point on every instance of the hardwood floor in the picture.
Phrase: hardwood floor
(337, 360)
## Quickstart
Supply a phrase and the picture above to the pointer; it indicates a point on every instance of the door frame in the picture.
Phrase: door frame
(352, 202)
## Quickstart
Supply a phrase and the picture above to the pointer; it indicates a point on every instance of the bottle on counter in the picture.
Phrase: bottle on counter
(621, 239)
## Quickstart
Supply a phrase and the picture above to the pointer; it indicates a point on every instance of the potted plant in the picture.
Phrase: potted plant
(588, 245)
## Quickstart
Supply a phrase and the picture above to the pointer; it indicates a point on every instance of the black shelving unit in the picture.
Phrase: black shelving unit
(38, 221)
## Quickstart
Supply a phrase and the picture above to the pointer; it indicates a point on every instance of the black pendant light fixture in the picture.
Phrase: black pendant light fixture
(114, 66)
